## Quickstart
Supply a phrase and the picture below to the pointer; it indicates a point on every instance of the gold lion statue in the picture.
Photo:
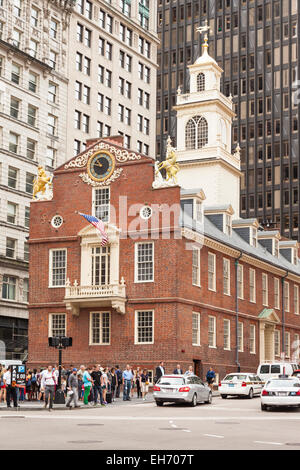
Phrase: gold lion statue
(170, 164)
(40, 182)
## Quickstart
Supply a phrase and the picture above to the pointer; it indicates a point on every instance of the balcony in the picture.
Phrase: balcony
(111, 295)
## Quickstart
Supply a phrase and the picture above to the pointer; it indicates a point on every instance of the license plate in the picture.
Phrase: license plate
(231, 385)
(282, 394)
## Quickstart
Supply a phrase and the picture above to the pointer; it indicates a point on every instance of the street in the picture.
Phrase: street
(234, 423)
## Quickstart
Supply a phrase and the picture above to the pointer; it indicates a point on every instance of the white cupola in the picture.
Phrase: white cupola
(204, 123)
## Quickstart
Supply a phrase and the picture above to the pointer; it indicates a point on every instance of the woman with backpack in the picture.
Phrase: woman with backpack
(28, 385)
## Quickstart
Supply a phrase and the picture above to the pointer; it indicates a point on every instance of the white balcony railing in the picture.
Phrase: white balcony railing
(76, 292)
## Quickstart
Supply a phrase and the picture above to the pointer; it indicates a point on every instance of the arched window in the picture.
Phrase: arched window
(196, 133)
(200, 82)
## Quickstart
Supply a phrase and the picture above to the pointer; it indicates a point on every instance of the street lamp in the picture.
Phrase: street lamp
(60, 343)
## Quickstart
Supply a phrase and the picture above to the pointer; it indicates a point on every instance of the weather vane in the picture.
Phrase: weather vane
(204, 29)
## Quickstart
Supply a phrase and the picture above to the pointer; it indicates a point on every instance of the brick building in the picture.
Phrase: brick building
(183, 278)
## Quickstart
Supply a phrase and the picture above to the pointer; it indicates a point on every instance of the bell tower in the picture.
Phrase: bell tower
(204, 122)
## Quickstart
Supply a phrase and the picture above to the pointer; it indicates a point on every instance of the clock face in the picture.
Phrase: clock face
(100, 165)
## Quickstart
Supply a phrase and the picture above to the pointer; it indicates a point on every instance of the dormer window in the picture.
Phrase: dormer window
(254, 237)
(196, 133)
(201, 82)
(295, 257)
(228, 225)
(198, 211)
(276, 248)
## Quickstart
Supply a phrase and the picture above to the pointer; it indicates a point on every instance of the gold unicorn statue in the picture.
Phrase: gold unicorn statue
(40, 182)
(170, 163)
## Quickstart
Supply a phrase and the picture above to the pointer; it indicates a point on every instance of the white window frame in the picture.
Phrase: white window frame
(136, 313)
(101, 343)
(264, 279)
(240, 336)
(226, 261)
(276, 342)
(276, 293)
(240, 281)
(286, 290)
(136, 248)
(214, 345)
(287, 344)
(198, 267)
(252, 298)
(213, 288)
(296, 300)
(50, 324)
(198, 331)
(252, 338)
(51, 251)
(227, 347)
(105, 206)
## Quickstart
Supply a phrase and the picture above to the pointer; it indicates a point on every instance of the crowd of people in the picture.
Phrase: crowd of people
(93, 385)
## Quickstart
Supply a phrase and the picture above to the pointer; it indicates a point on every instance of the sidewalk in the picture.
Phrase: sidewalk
(37, 405)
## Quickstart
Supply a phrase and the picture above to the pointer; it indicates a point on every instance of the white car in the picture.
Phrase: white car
(281, 391)
(240, 383)
(271, 370)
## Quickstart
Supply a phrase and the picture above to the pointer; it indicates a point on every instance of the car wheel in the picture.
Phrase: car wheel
(159, 403)
(263, 407)
(224, 396)
(209, 400)
(250, 394)
(194, 400)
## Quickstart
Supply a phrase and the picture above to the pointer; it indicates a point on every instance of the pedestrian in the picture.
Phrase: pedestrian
(2, 385)
(73, 389)
(48, 384)
(178, 370)
(159, 372)
(34, 385)
(28, 385)
(113, 383)
(210, 377)
(144, 383)
(105, 385)
(80, 381)
(138, 382)
(11, 391)
(127, 381)
(97, 387)
(133, 382)
(87, 383)
(119, 381)
(190, 371)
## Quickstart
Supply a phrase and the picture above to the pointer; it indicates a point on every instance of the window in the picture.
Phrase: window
(101, 265)
(101, 203)
(196, 266)
(11, 247)
(50, 157)
(144, 262)
(252, 339)
(13, 142)
(52, 92)
(107, 107)
(144, 327)
(240, 281)
(11, 212)
(276, 293)
(77, 119)
(57, 268)
(12, 177)
(57, 324)
(226, 324)
(9, 287)
(196, 133)
(34, 17)
(86, 94)
(31, 115)
(26, 290)
(29, 183)
(78, 61)
(32, 82)
(52, 59)
(211, 271)
(277, 343)
(26, 251)
(17, 38)
(17, 8)
(196, 329)
(252, 282)
(27, 216)
(212, 332)
(30, 148)
(100, 328)
(226, 276)
(15, 108)
(53, 28)
(15, 73)
(286, 297)
(201, 82)
(265, 289)
(240, 337)
(296, 300)
(125, 6)
(287, 344)
(52, 125)
(33, 48)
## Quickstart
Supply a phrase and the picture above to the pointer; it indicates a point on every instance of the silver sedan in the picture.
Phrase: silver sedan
(181, 389)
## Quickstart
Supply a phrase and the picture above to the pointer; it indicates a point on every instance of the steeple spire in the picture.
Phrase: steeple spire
(204, 29)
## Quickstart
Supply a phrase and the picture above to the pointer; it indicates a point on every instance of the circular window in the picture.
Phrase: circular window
(57, 221)
(146, 212)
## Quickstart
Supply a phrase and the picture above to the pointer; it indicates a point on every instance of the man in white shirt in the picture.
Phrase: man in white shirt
(48, 384)
(11, 390)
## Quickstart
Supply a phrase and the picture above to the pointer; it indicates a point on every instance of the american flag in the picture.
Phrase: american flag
(99, 225)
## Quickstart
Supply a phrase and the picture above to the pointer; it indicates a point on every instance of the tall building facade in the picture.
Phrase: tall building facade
(33, 126)
(112, 73)
(256, 43)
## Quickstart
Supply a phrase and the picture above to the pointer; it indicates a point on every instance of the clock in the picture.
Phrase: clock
(100, 165)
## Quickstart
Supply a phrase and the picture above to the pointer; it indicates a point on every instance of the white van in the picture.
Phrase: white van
(270, 370)
(11, 362)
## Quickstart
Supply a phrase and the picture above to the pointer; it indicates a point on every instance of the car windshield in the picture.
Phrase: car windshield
(171, 381)
(283, 383)
(235, 377)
